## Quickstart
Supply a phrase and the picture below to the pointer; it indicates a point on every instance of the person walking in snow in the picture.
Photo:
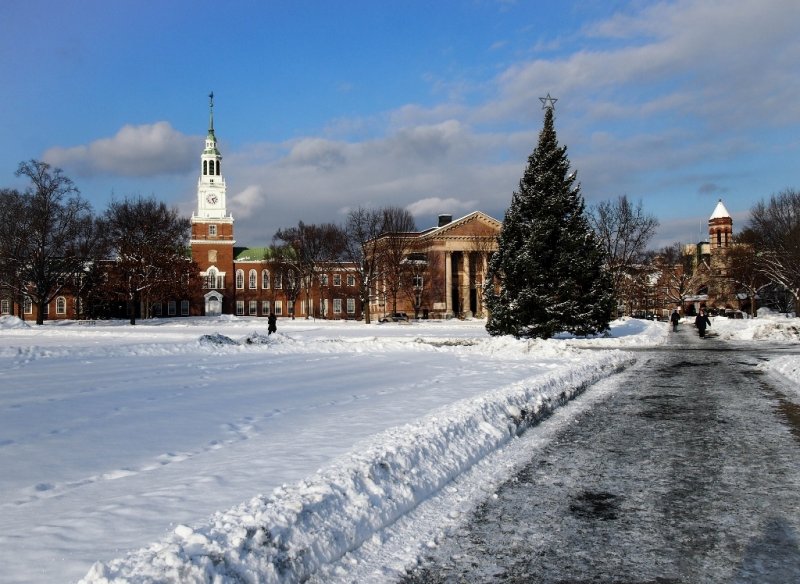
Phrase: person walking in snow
(272, 324)
(674, 318)
(701, 322)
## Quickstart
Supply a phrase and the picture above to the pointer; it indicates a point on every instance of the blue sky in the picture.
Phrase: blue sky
(434, 106)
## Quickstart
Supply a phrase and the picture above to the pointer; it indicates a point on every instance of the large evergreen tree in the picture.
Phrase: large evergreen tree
(548, 274)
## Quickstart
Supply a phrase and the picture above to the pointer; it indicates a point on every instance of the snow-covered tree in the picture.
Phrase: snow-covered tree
(548, 274)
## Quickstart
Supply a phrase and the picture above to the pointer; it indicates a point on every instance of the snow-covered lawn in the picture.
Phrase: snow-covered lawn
(176, 452)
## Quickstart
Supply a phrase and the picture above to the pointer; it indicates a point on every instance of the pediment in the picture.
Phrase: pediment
(476, 224)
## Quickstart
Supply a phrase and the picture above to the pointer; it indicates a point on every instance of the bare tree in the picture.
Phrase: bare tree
(398, 231)
(14, 241)
(289, 274)
(58, 242)
(312, 247)
(677, 272)
(776, 228)
(624, 231)
(149, 242)
(743, 269)
(361, 249)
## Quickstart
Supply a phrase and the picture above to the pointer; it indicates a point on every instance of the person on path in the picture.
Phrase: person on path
(674, 318)
(701, 322)
(272, 326)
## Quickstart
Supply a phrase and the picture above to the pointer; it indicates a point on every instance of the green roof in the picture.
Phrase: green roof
(252, 254)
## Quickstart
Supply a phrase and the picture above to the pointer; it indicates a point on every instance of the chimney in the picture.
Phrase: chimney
(444, 220)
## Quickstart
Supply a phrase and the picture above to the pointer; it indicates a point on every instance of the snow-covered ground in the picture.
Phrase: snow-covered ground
(171, 450)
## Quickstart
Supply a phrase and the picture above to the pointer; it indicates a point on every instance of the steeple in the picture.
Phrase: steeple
(211, 184)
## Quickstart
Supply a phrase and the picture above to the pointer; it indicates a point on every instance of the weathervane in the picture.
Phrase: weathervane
(548, 102)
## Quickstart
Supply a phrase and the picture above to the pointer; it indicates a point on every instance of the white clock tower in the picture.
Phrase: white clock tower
(211, 184)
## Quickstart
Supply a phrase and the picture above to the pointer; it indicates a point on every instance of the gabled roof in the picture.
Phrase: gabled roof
(720, 212)
(452, 228)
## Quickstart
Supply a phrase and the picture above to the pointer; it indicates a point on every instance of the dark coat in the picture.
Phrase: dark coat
(701, 322)
(675, 317)
(272, 324)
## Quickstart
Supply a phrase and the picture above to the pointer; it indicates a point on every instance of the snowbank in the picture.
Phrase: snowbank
(285, 537)
(8, 322)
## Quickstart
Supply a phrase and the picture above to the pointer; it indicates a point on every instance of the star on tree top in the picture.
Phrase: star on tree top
(548, 102)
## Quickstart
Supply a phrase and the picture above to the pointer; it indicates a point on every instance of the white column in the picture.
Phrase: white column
(448, 283)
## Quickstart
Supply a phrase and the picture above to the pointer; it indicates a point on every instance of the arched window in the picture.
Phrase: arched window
(211, 278)
(219, 163)
(211, 167)
(719, 238)
(265, 279)
(61, 305)
(240, 279)
(205, 167)
(253, 280)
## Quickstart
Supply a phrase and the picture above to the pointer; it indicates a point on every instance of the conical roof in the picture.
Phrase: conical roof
(720, 212)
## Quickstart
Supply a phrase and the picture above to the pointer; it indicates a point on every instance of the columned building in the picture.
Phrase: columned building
(443, 269)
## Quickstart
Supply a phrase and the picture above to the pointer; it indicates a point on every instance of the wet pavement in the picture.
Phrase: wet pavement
(689, 471)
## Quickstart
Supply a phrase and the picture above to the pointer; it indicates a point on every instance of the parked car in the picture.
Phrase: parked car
(396, 317)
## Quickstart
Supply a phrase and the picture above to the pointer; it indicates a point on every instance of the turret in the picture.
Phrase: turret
(720, 227)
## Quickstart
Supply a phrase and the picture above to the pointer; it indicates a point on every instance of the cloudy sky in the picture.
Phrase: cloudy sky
(321, 106)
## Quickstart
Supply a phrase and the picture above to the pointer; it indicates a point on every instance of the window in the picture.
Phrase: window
(351, 280)
(211, 278)
(278, 281)
(265, 280)
(264, 307)
(219, 167)
(171, 308)
(212, 230)
(212, 256)
(240, 279)
(323, 279)
(156, 308)
(417, 282)
(240, 308)
(28, 306)
(253, 280)
(351, 306)
(323, 306)
(337, 279)
(253, 308)
(61, 305)
(5, 306)
(205, 167)
(221, 282)
(210, 167)
(184, 308)
(278, 307)
(337, 306)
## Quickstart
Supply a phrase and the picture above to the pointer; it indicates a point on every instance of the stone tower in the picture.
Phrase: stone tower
(720, 237)
(720, 227)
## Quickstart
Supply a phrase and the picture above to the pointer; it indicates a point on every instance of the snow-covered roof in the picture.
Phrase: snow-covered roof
(720, 212)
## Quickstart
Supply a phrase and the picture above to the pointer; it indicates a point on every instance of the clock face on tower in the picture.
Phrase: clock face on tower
(211, 198)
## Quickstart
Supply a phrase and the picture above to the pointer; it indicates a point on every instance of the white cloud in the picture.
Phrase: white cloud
(437, 205)
(145, 150)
